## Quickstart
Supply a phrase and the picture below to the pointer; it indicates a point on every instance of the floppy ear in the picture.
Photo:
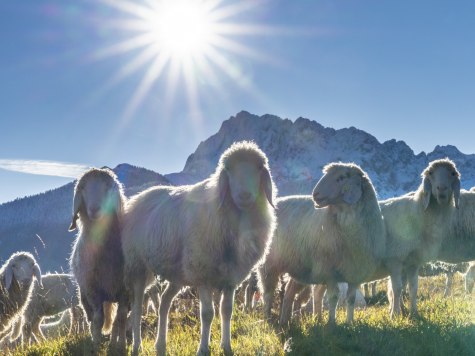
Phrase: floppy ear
(427, 190)
(37, 273)
(456, 190)
(266, 185)
(8, 276)
(352, 191)
(223, 186)
(77, 201)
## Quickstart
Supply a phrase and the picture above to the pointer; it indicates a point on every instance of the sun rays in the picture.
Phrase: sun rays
(181, 41)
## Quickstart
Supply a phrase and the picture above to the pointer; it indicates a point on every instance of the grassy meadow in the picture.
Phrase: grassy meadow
(446, 327)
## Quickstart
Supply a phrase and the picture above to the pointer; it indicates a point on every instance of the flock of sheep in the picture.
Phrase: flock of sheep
(214, 234)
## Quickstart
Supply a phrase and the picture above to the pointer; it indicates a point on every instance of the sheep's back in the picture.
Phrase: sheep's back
(459, 243)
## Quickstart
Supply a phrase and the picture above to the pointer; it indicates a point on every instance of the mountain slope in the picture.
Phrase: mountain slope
(39, 224)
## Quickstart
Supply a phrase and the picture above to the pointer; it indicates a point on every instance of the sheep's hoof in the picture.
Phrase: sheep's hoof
(227, 350)
(161, 349)
(117, 348)
(203, 352)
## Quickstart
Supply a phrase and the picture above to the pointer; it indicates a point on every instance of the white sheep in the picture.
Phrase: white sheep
(16, 283)
(58, 292)
(342, 240)
(208, 235)
(416, 225)
(97, 261)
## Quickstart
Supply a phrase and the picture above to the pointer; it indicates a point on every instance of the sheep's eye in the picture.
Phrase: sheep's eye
(430, 173)
(340, 178)
(453, 174)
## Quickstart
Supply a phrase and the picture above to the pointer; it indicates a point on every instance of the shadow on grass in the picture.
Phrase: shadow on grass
(419, 338)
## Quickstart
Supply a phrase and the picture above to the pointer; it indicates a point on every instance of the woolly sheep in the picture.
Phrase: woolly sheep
(416, 225)
(340, 239)
(96, 259)
(59, 292)
(208, 235)
(16, 283)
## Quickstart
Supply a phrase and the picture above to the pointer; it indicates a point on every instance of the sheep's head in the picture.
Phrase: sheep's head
(341, 183)
(244, 176)
(97, 194)
(21, 267)
(441, 180)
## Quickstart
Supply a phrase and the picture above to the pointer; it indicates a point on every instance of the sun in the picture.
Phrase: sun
(182, 40)
(182, 28)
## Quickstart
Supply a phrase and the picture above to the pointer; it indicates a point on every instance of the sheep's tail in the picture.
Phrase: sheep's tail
(110, 310)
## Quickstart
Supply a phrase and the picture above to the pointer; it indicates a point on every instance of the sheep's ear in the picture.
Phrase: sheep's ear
(223, 186)
(456, 190)
(427, 190)
(352, 191)
(77, 201)
(8, 276)
(37, 274)
(266, 184)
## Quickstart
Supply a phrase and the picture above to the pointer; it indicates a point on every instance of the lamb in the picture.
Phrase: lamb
(58, 293)
(97, 261)
(208, 235)
(342, 239)
(16, 283)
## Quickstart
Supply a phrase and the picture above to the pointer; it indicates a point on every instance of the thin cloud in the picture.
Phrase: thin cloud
(44, 168)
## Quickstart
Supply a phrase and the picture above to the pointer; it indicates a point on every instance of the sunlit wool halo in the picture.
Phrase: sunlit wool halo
(184, 38)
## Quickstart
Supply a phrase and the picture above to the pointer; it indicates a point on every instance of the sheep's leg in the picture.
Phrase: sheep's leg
(167, 298)
(118, 342)
(226, 310)
(35, 329)
(292, 288)
(449, 279)
(304, 298)
(373, 288)
(137, 289)
(155, 298)
(413, 278)
(248, 298)
(350, 302)
(318, 293)
(207, 314)
(96, 325)
(87, 308)
(394, 293)
(269, 282)
(333, 293)
(366, 290)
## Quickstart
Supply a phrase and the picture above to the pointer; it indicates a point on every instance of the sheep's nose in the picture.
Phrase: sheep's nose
(244, 196)
(441, 188)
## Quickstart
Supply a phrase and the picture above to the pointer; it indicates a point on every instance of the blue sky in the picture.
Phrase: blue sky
(396, 69)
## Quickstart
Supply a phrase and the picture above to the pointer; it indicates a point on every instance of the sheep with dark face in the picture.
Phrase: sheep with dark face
(16, 283)
(208, 235)
(336, 235)
(96, 260)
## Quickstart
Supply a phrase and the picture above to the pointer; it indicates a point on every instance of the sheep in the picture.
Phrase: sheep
(16, 283)
(438, 267)
(208, 235)
(335, 235)
(416, 225)
(469, 277)
(59, 292)
(96, 260)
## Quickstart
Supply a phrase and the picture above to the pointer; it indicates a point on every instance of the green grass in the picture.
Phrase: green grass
(446, 327)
